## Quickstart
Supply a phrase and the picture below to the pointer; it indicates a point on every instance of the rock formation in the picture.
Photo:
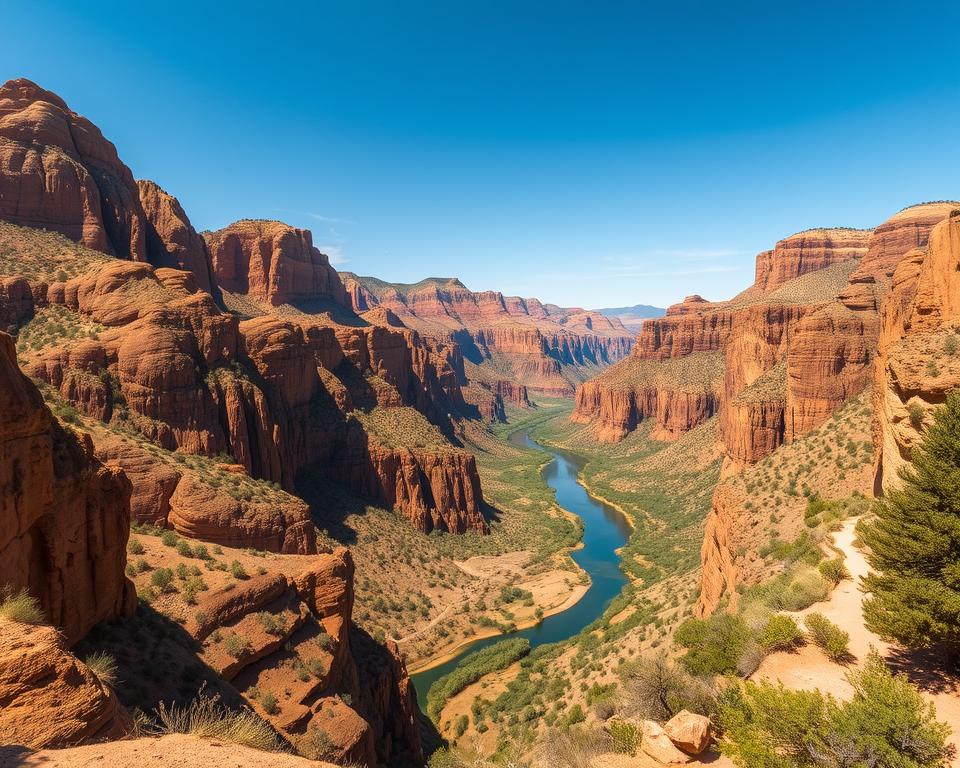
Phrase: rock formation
(64, 516)
(274, 263)
(543, 347)
(917, 362)
(788, 373)
(808, 252)
(51, 699)
(58, 172)
(171, 239)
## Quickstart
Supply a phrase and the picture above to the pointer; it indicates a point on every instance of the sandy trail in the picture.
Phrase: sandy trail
(809, 668)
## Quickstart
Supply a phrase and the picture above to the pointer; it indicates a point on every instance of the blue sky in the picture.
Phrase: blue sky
(592, 153)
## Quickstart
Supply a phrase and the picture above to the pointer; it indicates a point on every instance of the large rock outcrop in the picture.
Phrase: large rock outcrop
(50, 698)
(64, 516)
(808, 252)
(273, 262)
(917, 362)
(171, 239)
(58, 172)
(272, 392)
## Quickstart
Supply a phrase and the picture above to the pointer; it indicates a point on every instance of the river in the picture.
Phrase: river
(605, 530)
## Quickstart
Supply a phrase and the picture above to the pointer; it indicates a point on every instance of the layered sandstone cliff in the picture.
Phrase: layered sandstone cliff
(64, 516)
(58, 172)
(544, 347)
(873, 331)
(274, 263)
(917, 363)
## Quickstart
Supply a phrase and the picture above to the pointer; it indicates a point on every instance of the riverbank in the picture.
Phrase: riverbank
(605, 531)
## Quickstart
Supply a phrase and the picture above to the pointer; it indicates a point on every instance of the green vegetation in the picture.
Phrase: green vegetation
(780, 634)
(914, 543)
(55, 325)
(886, 724)
(472, 668)
(38, 254)
(824, 633)
(104, 666)
(20, 606)
(402, 428)
(205, 718)
(715, 645)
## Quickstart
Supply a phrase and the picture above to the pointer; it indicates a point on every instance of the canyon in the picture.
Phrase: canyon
(541, 346)
(221, 459)
(818, 327)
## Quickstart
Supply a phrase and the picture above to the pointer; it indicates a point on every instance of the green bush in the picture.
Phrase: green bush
(161, 579)
(269, 703)
(169, 538)
(780, 634)
(238, 571)
(886, 724)
(828, 636)
(714, 645)
(20, 606)
(834, 570)
(626, 737)
(135, 547)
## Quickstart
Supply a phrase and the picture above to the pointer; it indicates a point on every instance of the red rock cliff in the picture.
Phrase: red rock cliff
(58, 172)
(64, 516)
(273, 262)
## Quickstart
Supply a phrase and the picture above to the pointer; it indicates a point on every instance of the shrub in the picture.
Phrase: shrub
(205, 718)
(184, 549)
(834, 570)
(169, 538)
(161, 579)
(828, 636)
(654, 688)
(885, 724)
(135, 547)
(269, 703)
(916, 413)
(20, 606)
(626, 737)
(272, 624)
(104, 666)
(714, 645)
(805, 588)
(235, 645)
(780, 634)
(238, 571)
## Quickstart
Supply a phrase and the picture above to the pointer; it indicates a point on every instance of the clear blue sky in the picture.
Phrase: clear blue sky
(592, 154)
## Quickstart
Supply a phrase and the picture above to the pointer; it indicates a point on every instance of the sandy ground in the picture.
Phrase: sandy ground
(489, 688)
(553, 591)
(176, 750)
(809, 668)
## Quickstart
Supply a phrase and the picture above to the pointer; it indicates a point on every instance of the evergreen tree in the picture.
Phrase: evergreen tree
(915, 544)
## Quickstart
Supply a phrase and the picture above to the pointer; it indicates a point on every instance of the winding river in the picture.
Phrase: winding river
(605, 530)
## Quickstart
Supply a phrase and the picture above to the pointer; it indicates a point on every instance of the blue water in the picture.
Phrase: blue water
(604, 531)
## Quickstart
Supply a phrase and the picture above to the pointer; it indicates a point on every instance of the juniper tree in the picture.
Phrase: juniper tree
(914, 593)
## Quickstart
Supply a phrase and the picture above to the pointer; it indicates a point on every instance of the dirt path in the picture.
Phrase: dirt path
(809, 668)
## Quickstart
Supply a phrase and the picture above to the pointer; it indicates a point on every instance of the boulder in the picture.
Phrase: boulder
(657, 745)
(688, 731)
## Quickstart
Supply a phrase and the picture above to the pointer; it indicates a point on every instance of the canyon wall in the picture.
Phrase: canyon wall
(63, 514)
(543, 347)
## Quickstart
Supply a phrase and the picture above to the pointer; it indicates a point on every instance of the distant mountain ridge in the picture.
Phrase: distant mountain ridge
(633, 317)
